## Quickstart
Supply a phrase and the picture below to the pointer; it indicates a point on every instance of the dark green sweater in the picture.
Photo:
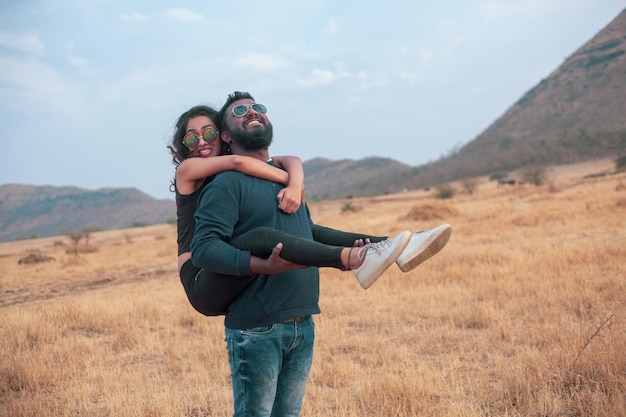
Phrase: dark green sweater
(235, 203)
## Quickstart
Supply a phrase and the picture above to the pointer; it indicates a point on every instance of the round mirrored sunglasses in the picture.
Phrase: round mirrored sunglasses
(191, 140)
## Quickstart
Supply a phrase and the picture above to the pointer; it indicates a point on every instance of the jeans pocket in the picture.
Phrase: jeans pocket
(229, 339)
(262, 330)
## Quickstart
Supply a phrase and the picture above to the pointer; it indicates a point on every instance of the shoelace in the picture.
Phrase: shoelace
(378, 246)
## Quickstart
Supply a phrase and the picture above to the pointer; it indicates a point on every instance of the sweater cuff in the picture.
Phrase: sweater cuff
(244, 265)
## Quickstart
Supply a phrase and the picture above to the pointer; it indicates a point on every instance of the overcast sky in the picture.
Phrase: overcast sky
(90, 90)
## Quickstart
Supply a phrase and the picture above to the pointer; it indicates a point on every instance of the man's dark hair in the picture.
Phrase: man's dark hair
(237, 95)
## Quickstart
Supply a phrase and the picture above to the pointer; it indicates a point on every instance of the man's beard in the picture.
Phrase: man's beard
(259, 138)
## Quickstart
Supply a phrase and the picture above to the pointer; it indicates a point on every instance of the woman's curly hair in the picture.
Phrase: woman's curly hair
(176, 147)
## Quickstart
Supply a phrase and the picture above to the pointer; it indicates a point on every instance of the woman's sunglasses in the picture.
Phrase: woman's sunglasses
(191, 140)
(243, 109)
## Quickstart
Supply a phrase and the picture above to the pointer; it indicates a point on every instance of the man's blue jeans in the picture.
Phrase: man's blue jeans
(270, 367)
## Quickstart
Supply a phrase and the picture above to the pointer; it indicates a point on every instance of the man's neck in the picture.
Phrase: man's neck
(261, 154)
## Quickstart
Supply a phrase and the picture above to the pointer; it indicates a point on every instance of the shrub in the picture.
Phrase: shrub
(620, 163)
(75, 237)
(498, 175)
(430, 212)
(35, 258)
(140, 224)
(347, 206)
(445, 191)
(535, 174)
(469, 185)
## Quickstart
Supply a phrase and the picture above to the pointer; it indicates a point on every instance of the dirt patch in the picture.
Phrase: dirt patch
(428, 212)
(35, 258)
(81, 285)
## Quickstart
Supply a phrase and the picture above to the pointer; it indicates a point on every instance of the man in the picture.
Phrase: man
(269, 329)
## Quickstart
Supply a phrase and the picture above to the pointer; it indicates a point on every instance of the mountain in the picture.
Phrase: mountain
(327, 180)
(28, 211)
(576, 113)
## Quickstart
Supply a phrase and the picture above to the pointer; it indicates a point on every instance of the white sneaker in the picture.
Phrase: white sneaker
(378, 257)
(423, 245)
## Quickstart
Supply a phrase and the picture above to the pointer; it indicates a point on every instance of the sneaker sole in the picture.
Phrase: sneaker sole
(402, 243)
(431, 247)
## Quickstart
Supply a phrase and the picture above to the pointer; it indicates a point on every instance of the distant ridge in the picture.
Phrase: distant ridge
(42, 211)
(327, 180)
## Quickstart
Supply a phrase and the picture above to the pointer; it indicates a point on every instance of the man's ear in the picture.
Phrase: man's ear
(226, 137)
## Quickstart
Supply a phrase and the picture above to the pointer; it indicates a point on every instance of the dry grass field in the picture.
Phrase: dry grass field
(522, 314)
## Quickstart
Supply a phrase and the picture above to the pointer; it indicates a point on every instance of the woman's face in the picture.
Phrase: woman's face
(208, 144)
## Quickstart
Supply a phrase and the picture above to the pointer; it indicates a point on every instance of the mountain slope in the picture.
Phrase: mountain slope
(27, 210)
(326, 179)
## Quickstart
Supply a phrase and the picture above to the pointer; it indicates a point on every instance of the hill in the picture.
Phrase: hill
(327, 180)
(574, 114)
(27, 211)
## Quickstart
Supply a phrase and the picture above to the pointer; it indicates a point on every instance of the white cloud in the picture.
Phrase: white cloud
(29, 42)
(74, 60)
(135, 85)
(184, 15)
(409, 77)
(262, 62)
(321, 77)
(331, 28)
(133, 18)
(379, 83)
(495, 9)
(426, 57)
(30, 84)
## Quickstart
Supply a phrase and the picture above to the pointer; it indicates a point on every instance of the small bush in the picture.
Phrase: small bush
(445, 191)
(140, 224)
(469, 185)
(498, 175)
(347, 206)
(535, 174)
(429, 212)
(620, 164)
(35, 258)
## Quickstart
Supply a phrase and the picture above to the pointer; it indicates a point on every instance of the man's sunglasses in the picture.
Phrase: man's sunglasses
(243, 109)
(191, 140)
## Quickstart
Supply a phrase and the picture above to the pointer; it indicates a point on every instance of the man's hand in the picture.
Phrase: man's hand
(274, 264)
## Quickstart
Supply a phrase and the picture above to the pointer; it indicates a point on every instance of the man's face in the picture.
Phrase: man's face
(253, 130)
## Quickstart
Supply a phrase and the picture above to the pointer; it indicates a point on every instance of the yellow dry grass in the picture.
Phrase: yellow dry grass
(522, 314)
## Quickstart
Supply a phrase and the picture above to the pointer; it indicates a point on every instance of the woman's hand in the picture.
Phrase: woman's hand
(290, 199)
